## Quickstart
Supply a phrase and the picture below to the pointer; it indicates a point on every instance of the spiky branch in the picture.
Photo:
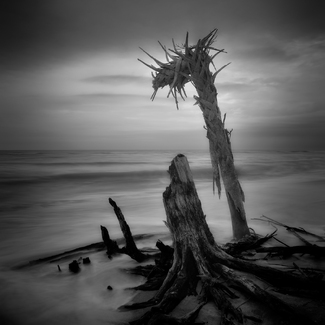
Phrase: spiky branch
(192, 64)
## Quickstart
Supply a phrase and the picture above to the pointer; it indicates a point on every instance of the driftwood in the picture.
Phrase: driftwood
(130, 247)
(191, 64)
(287, 251)
(293, 230)
(111, 245)
(199, 260)
(252, 242)
(155, 274)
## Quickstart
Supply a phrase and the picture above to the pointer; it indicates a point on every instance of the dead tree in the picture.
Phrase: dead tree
(197, 257)
(191, 64)
(295, 231)
(130, 246)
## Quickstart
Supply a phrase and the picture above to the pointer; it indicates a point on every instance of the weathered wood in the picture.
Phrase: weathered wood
(269, 274)
(229, 314)
(130, 246)
(287, 251)
(191, 238)
(198, 257)
(190, 233)
(221, 154)
(156, 274)
(165, 260)
(111, 245)
(286, 311)
(248, 243)
(191, 64)
(289, 228)
(187, 223)
(74, 266)
(157, 317)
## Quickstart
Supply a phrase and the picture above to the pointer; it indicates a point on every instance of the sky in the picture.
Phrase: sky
(70, 78)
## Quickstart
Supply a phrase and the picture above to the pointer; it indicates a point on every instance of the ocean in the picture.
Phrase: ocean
(52, 201)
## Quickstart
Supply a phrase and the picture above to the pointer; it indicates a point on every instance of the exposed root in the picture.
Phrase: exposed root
(199, 260)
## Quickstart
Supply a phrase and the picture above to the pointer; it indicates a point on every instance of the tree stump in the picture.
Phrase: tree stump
(197, 257)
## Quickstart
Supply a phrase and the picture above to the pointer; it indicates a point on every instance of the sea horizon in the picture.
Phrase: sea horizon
(56, 200)
(63, 193)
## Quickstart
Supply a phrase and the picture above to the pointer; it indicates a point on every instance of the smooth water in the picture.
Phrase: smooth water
(52, 201)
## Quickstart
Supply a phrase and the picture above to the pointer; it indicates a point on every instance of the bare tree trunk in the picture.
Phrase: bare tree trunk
(220, 148)
(191, 64)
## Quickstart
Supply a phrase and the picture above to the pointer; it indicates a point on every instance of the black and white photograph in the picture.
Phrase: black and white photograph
(162, 162)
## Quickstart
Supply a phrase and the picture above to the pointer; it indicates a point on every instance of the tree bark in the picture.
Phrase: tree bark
(198, 257)
(220, 149)
(111, 245)
(130, 246)
(192, 65)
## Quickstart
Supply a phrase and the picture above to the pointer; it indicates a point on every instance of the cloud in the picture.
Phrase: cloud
(121, 79)
(268, 53)
(68, 71)
(112, 96)
(247, 86)
(233, 87)
(36, 31)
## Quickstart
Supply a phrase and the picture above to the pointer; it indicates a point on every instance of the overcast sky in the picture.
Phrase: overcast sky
(70, 78)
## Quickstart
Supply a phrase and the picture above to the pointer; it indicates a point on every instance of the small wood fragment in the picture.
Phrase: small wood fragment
(74, 267)
(289, 228)
(111, 245)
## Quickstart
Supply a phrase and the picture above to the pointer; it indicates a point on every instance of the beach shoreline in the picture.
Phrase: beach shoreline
(57, 201)
(90, 286)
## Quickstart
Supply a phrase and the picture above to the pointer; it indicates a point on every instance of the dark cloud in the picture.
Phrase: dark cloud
(36, 30)
(286, 19)
(33, 31)
(55, 30)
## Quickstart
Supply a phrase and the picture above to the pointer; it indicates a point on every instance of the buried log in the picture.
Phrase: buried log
(197, 257)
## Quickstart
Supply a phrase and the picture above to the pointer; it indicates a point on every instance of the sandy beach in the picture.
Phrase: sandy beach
(56, 297)
(96, 293)
(59, 202)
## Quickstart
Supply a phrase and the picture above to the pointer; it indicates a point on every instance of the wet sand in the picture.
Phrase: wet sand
(56, 296)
